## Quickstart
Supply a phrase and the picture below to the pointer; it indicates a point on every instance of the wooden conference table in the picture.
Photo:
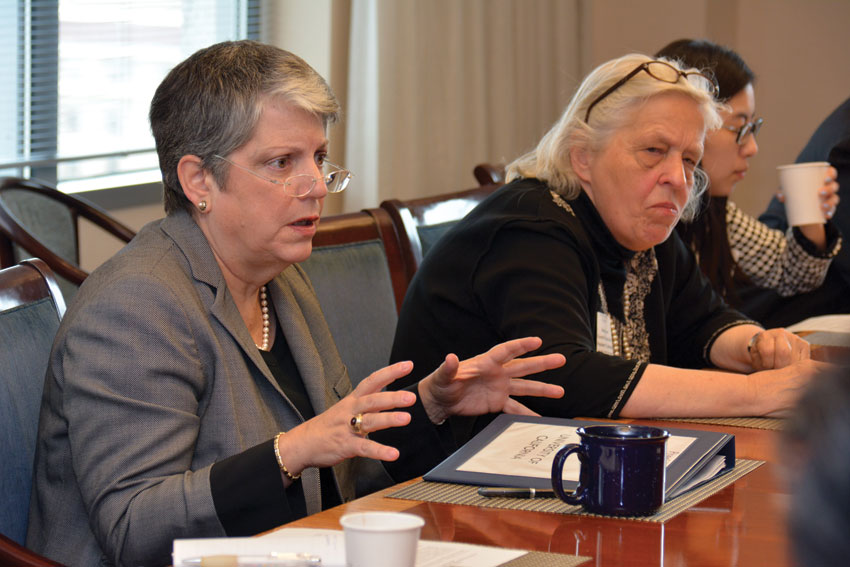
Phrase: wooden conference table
(743, 524)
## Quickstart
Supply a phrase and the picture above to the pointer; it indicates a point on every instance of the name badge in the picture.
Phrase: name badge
(604, 336)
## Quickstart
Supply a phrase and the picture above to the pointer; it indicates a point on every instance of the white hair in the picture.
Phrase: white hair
(550, 160)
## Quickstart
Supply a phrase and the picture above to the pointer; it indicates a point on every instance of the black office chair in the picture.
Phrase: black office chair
(421, 222)
(360, 279)
(31, 307)
(489, 174)
(38, 220)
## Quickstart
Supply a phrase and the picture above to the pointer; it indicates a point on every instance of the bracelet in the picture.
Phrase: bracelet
(288, 474)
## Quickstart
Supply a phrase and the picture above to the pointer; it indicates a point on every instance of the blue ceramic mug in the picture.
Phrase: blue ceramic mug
(622, 470)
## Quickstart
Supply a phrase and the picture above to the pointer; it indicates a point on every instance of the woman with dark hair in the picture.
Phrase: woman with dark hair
(735, 250)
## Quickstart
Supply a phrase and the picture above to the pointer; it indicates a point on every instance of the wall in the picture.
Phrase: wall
(139, 206)
(799, 51)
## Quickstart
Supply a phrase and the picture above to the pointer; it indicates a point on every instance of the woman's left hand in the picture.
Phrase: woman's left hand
(485, 383)
(776, 348)
(828, 194)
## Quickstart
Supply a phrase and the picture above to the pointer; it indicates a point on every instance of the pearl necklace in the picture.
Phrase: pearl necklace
(264, 307)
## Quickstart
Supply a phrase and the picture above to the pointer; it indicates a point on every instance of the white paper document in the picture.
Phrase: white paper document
(326, 543)
(330, 546)
(709, 471)
(827, 323)
(528, 449)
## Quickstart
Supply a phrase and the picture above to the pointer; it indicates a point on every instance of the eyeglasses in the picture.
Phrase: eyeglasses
(745, 130)
(661, 71)
(334, 177)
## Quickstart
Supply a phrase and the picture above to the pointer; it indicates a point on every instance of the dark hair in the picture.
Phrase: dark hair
(730, 71)
(706, 235)
(210, 103)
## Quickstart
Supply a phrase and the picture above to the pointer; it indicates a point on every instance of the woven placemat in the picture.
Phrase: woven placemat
(774, 423)
(465, 494)
(543, 559)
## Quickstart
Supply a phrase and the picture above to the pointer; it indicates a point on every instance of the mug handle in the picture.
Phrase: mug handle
(578, 495)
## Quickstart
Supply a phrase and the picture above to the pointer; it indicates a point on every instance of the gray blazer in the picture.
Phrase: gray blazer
(154, 377)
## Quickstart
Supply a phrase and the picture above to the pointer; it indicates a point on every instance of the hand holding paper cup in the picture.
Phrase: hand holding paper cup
(800, 183)
(381, 539)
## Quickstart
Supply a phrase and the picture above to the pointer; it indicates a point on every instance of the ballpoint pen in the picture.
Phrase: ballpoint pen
(489, 492)
(270, 560)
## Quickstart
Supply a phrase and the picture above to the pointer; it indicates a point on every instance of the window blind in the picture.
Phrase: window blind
(77, 77)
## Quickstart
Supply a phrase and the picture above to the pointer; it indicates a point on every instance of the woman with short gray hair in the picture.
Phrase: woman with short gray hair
(194, 388)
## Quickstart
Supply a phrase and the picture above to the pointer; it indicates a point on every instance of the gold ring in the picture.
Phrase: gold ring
(356, 424)
(751, 345)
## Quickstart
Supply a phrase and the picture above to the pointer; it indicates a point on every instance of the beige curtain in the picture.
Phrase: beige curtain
(436, 86)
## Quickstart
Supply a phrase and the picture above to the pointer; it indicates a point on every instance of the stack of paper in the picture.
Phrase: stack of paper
(330, 546)
(826, 330)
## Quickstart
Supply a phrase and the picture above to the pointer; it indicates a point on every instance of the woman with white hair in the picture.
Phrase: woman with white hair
(578, 249)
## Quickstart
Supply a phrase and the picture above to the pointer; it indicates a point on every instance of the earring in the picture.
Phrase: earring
(202, 206)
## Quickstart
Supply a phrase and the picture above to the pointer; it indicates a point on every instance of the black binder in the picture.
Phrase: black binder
(679, 475)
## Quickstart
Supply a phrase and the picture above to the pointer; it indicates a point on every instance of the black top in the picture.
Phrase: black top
(285, 371)
(228, 483)
(527, 263)
(247, 489)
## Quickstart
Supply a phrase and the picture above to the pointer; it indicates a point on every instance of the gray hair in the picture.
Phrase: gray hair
(550, 160)
(210, 104)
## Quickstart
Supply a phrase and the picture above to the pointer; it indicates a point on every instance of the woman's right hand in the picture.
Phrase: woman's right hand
(776, 348)
(329, 438)
(775, 392)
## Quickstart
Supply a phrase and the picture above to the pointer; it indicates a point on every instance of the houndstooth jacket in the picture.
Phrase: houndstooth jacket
(773, 259)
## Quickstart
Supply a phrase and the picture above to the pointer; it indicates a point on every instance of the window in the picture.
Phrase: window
(77, 77)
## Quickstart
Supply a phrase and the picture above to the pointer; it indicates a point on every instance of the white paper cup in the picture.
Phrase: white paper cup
(381, 539)
(799, 183)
